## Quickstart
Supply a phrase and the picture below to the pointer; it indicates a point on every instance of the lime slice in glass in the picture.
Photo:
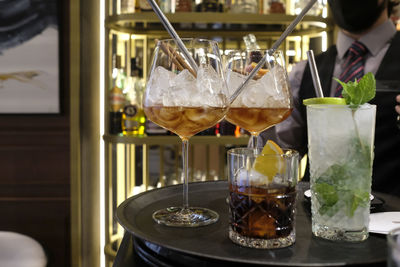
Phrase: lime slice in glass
(324, 101)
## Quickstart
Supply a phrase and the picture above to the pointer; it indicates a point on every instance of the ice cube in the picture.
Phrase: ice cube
(250, 177)
(268, 91)
(181, 88)
(332, 146)
(234, 80)
(159, 84)
(184, 77)
(282, 83)
(211, 87)
(250, 96)
(254, 95)
(267, 81)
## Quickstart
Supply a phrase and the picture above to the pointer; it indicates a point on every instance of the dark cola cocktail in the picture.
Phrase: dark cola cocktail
(262, 203)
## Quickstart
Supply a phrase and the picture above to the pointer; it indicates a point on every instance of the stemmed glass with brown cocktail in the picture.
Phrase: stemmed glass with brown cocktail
(186, 101)
(266, 100)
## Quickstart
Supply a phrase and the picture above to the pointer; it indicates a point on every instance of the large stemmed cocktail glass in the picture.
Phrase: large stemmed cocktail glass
(266, 100)
(186, 101)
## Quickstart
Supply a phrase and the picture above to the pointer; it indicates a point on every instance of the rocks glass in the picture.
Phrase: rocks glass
(262, 208)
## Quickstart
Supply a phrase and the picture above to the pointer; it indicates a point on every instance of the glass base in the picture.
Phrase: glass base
(185, 217)
(252, 242)
(339, 234)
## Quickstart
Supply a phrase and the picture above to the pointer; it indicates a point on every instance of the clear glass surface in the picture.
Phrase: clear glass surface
(262, 204)
(393, 239)
(266, 100)
(186, 101)
(340, 149)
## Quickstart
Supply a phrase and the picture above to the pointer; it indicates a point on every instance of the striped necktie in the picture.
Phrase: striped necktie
(353, 68)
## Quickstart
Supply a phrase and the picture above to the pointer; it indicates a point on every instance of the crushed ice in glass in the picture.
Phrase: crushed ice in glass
(183, 89)
(269, 91)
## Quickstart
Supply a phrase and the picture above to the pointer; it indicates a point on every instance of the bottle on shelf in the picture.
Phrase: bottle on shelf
(227, 6)
(316, 10)
(127, 6)
(145, 6)
(210, 6)
(183, 5)
(116, 96)
(165, 6)
(226, 128)
(250, 42)
(276, 6)
(244, 6)
(133, 118)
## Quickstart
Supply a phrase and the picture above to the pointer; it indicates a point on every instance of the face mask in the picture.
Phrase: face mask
(356, 16)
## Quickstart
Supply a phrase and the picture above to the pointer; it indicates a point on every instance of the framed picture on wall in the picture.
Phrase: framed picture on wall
(29, 57)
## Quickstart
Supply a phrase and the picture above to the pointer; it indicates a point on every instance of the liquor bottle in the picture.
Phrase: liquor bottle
(133, 118)
(183, 6)
(127, 6)
(245, 6)
(250, 41)
(145, 6)
(251, 44)
(276, 6)
(209, 6)
(116, 96)
(226, 128)
(137, 6)
(165, 6)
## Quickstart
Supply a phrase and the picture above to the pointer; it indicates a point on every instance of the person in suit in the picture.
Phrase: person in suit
(368, 39)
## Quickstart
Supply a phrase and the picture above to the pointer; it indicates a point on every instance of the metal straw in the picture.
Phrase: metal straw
(314, 74)
(173, 33)
(275, 46)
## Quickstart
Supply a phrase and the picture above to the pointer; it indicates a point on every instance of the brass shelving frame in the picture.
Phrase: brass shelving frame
(230, 28)
(148, 23)
(120, 165)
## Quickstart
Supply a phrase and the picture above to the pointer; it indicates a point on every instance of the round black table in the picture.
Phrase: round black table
(148, 244)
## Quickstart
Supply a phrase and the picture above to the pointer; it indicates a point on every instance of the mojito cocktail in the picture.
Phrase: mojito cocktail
(340, 140)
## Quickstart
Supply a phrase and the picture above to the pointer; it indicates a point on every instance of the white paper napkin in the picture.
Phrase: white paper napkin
(383, 222)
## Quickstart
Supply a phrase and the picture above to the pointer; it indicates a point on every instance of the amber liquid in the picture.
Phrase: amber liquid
(258, 212)
(185, 121)
(256, 120)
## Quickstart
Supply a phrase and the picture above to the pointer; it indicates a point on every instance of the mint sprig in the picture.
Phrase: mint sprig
(358, 93)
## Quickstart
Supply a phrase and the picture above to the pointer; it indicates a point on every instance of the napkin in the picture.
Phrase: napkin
(383, 222)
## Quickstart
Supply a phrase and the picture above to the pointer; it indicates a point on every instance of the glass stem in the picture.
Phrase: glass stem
(254, 140)
(185, 157)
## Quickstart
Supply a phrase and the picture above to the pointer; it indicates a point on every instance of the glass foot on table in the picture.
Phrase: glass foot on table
(339, 234)
(185, 217)
(262, 243)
